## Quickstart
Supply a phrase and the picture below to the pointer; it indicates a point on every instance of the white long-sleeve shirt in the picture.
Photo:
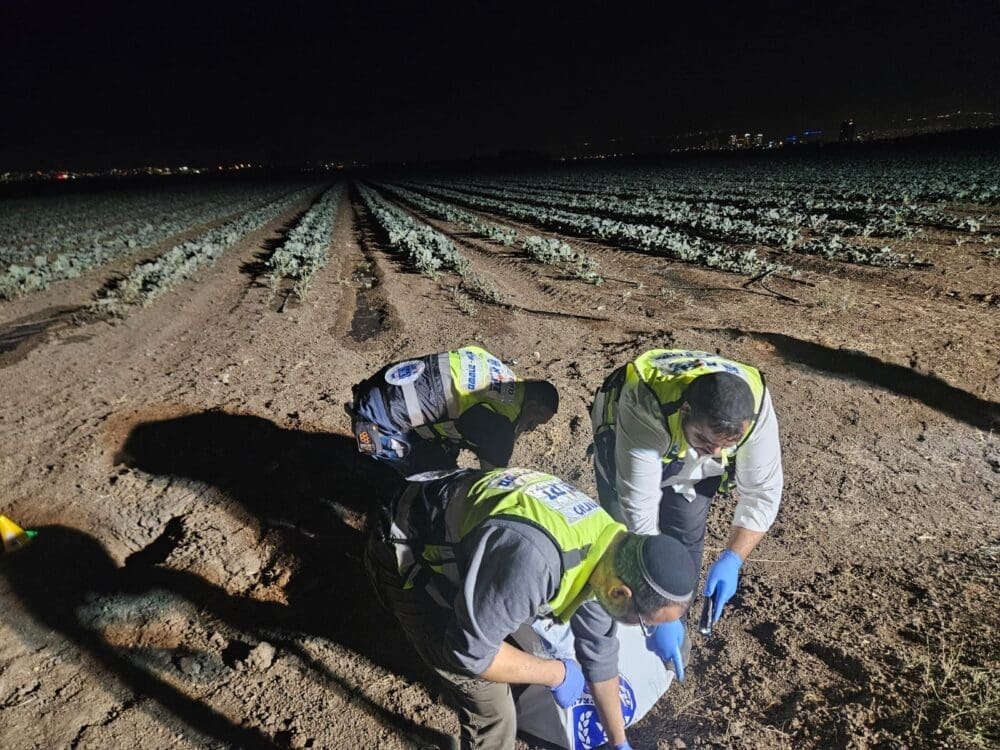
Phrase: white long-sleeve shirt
(642, 440)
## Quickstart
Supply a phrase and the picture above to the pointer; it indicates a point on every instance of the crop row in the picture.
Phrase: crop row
(24, 278)
(930, 179)
(658, 240)
(43, 227)
(700, 220)
(546, 250)
(708, 221)
(304, 250)
(35, 225)
(426, 248)
(771, 222)
(149, 279)
(877, 198)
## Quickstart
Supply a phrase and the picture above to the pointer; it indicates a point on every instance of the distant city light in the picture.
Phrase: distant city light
(700, 140)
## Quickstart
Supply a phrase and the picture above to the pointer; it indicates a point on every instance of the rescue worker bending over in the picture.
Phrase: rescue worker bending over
(463, 559)
(671, 430)
(418, 414)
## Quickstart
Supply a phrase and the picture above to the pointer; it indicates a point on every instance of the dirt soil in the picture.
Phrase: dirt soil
(196, 584)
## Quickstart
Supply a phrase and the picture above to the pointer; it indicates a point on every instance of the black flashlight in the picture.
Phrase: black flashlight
(705, 623)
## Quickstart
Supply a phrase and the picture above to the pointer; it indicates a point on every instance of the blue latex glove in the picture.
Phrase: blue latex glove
(723, 578)
(623, 746)
(570, 689)
(665, 641)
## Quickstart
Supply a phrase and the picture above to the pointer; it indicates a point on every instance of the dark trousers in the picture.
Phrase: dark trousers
(485, 709)
(684, 521)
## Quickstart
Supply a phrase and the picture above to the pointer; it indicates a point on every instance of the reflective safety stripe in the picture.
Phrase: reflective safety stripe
(412, 400)
(444, 367)
(398, 529)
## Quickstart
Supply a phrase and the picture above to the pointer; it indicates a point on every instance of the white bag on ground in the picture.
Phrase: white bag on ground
(643, 679)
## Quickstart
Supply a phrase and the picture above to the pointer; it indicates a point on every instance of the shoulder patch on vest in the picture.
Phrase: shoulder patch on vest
(404, 372)
(513, 478)
(564, 499)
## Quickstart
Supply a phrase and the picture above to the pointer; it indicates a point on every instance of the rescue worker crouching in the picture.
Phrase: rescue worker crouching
(671, 430)
(416, 415)
(463, 559)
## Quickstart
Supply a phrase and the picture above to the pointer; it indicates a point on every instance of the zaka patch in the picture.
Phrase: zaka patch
(404, 372)
(564, 499)
(512, 478)
(487, 376)
(675, 363)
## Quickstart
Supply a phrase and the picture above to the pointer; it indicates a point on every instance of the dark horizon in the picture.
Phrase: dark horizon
(101, 86)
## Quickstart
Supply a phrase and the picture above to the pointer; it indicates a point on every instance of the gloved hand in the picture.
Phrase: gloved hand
(570, 689)
(723, 577)
(623, 746)
(665, 641)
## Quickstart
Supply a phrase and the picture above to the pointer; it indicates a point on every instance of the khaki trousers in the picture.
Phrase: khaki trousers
(485, 709)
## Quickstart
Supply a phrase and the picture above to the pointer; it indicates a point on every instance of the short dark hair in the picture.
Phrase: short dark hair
(670, 562)
(542, 392)
(721, 399)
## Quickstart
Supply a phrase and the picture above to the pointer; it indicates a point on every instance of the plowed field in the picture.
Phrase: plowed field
(196, 581)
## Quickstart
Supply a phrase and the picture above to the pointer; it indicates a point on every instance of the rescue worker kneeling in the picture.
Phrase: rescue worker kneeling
(463, 559)
(416, 415)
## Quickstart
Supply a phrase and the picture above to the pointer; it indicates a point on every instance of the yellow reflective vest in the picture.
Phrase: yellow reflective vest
(430, 520)
(476, 378)
(667, 373)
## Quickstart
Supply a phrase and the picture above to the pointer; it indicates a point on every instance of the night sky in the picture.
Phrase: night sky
(94, 84)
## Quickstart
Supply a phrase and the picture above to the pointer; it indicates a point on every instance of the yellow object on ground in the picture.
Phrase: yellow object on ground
(13, 536)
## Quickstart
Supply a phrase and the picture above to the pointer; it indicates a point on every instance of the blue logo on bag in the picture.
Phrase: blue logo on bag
(588, 732)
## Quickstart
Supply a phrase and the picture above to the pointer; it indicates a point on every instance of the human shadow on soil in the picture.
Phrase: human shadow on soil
(66, 570)
(928, 389)
(62, 572)
(299, 482)
(307, 492)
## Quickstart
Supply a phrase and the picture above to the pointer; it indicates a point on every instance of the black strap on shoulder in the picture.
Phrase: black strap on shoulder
(568, 559)
(574, 557)
(668, 410)
(756, 416)
(615, 380)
